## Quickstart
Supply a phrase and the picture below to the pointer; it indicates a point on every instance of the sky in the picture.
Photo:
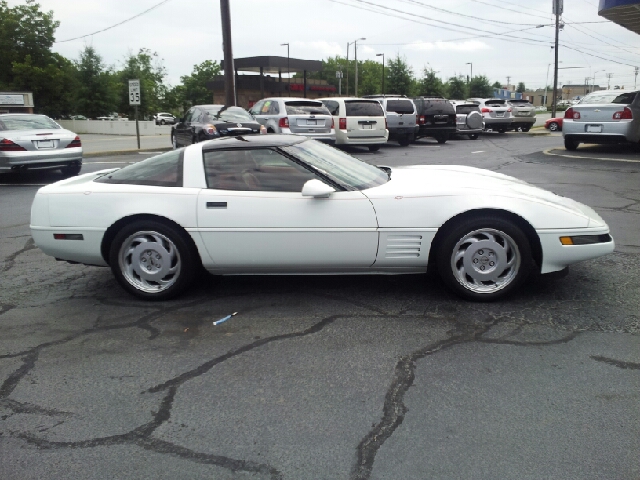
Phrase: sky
(443, 36)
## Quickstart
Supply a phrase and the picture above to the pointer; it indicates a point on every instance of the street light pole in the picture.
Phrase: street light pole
(471, 78)
(288, 74)
(229, 80)
(355, 56)
(557, 4)
(377, 55)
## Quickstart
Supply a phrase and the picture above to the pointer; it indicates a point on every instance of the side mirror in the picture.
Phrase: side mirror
(316, 189)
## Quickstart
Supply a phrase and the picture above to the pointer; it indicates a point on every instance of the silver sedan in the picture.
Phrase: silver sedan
(30, 141)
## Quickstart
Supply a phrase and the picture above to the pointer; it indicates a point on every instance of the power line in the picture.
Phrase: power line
(116, 25)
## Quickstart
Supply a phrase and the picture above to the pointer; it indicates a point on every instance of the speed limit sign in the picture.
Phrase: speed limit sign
(134, 92)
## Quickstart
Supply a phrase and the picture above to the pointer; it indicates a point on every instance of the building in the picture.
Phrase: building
(269, 82)
(575, 92)
(16, 102)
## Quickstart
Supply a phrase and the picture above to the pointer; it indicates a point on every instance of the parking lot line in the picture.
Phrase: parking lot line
(479, 151)
(628, 160)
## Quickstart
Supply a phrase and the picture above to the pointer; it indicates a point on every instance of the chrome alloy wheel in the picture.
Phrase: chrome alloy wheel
(149, 261)
(485, 261)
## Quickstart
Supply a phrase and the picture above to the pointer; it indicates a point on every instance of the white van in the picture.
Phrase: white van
(401, 117)
(358, 121)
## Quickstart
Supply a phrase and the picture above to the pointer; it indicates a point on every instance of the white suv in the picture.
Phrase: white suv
(163, 118)
(358, 121)
(497, 114)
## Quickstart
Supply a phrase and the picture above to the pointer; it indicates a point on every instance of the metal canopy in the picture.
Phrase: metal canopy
(625, 13)
(274, 65)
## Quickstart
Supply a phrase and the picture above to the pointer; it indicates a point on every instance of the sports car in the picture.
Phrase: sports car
(285, 204)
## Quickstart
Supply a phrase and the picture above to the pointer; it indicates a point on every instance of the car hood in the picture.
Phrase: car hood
(453, 180)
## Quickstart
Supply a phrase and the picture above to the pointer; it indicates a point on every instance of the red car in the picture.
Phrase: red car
(554, 124)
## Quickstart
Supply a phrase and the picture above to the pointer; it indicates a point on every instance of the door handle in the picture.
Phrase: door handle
(216, 204)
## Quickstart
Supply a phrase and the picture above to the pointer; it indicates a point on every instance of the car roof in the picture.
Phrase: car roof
(244, 141)
(350, 98)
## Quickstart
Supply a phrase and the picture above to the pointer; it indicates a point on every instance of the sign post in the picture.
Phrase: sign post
(134, 99)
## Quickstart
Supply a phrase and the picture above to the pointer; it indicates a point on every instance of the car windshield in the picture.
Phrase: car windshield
(400, 106)
(27, 122)
(618, 98)
(339, 166)
(230, 114)
(302, 107)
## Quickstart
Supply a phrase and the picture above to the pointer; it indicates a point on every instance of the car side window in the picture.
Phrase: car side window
(332, 106)
(256, 170)
(274, 109)
(163, 170)
(256, 109)
(187, 117)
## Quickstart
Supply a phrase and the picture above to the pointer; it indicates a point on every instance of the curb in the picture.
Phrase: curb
(125, 152)
(549, 152)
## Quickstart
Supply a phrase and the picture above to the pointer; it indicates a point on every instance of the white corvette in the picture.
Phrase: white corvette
(283, 204)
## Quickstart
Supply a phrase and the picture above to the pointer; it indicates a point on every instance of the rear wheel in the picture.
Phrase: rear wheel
(71, 170)
(404, 141)
(570, 144)
(374, 148)
(484, 258)
(473, 136)
(153, 260)
(441, 139)
(162, 122)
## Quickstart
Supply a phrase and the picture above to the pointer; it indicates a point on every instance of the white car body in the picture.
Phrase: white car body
(355, 129)
(385, 229)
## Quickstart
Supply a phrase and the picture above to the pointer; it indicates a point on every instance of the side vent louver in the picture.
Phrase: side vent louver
(403, 246)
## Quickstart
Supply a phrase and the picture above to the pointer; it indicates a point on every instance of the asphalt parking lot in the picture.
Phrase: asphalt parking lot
(333, 377)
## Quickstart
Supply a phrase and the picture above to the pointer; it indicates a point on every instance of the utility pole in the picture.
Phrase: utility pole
(229, 68)
(346, 85)
(635, 80)
(378, 55)
(508, 81)
(288, 73)
(355, 56)
(586, 85)
(609, 75)
(557, 10)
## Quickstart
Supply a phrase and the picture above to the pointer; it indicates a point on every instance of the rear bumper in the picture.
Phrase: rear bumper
(612, 132)
(429, 131)
(463, 130)
(40, 160)
(323, 137)
(402, 132)
(497, 122)
(350, 138)
(523, 121)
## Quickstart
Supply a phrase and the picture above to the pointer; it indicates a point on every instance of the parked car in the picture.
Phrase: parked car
(205, 122)
(35, 142)
(302, 116)
(524, 114)
(496, 113)
(469, 120)
(554, 124)
(436, 118)
(401, 117)
(78, 117)
(286, 204)
(606, 116)
(359, 121)
(164, 118)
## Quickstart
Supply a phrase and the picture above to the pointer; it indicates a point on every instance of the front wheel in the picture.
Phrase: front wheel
(473, 136)
(374, 148)
(152, 260)
(174, 142)
(553, 126)
(570, 144)
(484, 258)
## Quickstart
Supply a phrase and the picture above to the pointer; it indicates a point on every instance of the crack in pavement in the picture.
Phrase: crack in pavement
(617, 363)
(394, 408)
(10, 260)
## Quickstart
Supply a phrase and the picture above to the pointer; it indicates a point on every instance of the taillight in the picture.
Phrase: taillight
(508, 109)
(342, 124)
(283, 122)
(7, 145)
(74, 143)
(486, 110)
(332, 123)
(386, 125)
(571, 113)
(210, 129)
(623, 114)
(421, 119)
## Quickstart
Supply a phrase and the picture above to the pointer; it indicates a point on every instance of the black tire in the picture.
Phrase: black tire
(167, 248)
(71, 170)
(374, 148)
(554, 127)
(502, 130)
(473, 136)
(162, 122)
(526, 129)
(570, 144)
(441, 140)
(404, 141)
(501, 247)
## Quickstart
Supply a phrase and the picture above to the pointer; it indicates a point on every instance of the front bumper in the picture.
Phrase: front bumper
(556, 256)
(41, 159)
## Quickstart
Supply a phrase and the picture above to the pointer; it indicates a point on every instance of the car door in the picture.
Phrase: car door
(258, 113)
(253, 217)
(181, 129)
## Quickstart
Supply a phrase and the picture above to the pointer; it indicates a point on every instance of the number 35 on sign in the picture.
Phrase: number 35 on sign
(134, 92)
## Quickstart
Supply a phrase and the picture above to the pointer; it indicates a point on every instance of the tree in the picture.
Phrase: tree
(456, 88)
(479, 86)
(521, 88)
(146, 67)
(430, 84)
(24, 31)
(497, 85)
(98, 90)
(399, 77)
(195, 85)
(370, 77)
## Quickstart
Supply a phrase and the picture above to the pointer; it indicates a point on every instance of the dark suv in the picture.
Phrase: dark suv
(436, 118)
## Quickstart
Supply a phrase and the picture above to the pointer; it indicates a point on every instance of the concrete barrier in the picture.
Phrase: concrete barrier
(115, 127)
